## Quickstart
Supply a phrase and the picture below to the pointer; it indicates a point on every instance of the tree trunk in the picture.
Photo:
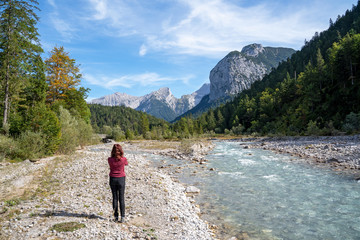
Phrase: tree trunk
(6, 98)
(7, 75)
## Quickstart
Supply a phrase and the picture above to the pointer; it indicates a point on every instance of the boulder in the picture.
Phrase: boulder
(192, 189)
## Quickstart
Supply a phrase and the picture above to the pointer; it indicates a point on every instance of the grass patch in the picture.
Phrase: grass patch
(67, 226)
(4, 210)
(12, 202)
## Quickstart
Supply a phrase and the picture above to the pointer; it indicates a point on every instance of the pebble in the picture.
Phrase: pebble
(85, 196)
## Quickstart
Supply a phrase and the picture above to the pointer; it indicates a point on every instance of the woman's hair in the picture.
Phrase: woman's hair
(117, 152)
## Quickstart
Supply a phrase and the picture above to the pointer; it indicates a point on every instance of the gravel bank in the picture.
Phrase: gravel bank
(341, 153)
(77, 190)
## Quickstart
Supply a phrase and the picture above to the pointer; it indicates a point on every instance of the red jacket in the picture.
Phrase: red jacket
(117, 167)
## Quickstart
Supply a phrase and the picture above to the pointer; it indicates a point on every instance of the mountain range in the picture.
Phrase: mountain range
(233, 74)
(161, 103)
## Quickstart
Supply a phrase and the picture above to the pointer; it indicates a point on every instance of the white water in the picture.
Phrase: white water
(269, 196)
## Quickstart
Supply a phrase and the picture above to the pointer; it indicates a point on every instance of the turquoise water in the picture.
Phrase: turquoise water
(269, 196)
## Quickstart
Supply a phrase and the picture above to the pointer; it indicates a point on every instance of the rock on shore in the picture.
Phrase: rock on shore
(78, 191)
(334, 151)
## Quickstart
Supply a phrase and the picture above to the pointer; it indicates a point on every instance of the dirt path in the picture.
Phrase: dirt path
(75, 189)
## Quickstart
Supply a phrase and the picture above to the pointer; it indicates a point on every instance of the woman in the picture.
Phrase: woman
(117, 163)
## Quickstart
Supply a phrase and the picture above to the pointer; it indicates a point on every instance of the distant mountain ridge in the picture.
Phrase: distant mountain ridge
(160, 103)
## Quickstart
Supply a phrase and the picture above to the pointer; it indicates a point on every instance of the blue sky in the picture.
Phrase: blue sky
(139, 46)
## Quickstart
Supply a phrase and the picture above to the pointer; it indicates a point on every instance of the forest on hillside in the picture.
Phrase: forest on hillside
(42, 106)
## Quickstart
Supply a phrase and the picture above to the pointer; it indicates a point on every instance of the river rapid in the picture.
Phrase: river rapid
(258, 194)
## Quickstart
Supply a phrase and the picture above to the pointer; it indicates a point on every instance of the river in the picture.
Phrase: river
(259, 194)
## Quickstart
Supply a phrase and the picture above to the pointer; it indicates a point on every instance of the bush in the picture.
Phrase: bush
(129, 134)
(8, 148)
(32, 145)
(85, 132)
(238, 130)
(118, 134)
(107, 130)
(69, 132)
(352, 123)
(312, 129)
(218, 130)
(147, 135)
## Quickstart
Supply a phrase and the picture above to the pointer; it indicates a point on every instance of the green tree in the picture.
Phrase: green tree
(75, 102)
(220, 120)
(211, 121)
(19, 49)
(144, 124)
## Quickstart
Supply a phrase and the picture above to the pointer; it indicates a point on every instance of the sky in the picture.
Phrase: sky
(139, 46)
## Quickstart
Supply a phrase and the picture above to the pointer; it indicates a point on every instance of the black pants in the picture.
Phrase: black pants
(118, 191)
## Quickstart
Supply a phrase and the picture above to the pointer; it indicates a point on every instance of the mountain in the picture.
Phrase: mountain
(237, 71)
(160, 103)
(315, 92)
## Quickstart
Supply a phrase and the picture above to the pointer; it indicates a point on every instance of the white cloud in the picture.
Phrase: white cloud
(128, 81)
(63, 27)
(143, 50)
(59, 23)
(199, 27)
(52, 3)
(100, 7)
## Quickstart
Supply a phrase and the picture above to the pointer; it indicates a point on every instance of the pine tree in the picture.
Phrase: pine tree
(19, 48)
(144, 124)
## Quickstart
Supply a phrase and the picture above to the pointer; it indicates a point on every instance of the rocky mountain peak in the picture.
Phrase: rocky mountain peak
(238, 70)
(253, 50)
(165, 91)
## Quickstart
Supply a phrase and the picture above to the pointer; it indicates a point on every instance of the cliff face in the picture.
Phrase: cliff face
(238, 70)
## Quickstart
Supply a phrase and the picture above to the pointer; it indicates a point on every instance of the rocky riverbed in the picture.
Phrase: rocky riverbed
(74, 189)
(341, 153)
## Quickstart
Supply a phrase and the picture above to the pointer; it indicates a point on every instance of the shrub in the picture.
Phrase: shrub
(5, 144)
(69, 132)
(118, 134)
(85, 132)
(312, 128)
(352, 123)
(32, 145)
(129, 134)
(147, 135)
(8, 148)
(238, 130)
(107, 130)
(218, 130)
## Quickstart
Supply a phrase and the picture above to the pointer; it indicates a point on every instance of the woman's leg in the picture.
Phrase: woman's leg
(122, 197)
(115, 195)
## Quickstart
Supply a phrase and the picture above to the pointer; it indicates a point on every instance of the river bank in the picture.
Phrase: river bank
(62, 190)
(340, 153)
